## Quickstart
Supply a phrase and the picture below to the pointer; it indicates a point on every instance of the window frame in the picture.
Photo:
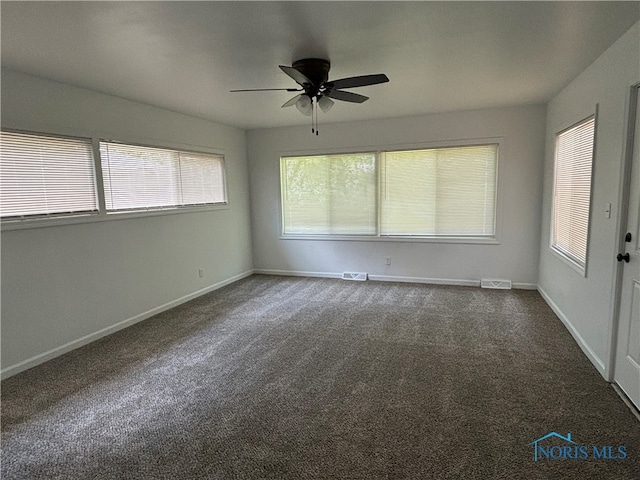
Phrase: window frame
(57, 215)
(377, 237)
(184, 206)
(102, 215)
(570, 260)
(307, 235)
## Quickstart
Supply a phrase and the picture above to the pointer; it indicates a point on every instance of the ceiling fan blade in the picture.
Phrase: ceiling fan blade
(346, 96)
(267, 90)
(300, 78)
(291, 102)
(360, 81)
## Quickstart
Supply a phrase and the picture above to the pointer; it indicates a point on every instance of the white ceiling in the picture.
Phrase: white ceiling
(186, 56)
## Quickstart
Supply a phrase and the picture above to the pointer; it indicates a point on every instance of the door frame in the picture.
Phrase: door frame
(632, 116)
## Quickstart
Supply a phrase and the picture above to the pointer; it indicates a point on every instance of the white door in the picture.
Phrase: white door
(627, 366)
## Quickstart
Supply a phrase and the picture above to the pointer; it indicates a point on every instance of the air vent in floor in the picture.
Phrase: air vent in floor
(358, 276)
(499, 284)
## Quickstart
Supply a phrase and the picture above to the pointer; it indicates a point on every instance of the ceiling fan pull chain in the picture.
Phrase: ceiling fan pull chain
(313, 117)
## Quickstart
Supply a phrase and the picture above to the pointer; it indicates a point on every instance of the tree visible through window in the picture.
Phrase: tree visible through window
(446, 192)
(329, 194)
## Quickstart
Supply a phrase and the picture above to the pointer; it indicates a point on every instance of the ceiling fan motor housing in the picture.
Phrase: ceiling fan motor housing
(315, 69)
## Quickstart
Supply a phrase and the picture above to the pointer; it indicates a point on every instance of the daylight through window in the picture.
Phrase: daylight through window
(137, 177)
(438, 192)
(572, 191)
(45, 176)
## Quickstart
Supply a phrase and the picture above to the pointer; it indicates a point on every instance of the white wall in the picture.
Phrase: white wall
(520, 188)
(65, 285)
(586, 304)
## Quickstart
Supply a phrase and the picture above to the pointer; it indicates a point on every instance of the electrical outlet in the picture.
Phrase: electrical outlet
(388, 261)
(201, 273)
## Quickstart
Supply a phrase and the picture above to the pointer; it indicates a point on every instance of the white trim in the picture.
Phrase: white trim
(374, 278)
(393, 147)
(56, 221)
(621, 393)
(431, 281)
(524, 286)
(67, 347)
(294, 273)
(586, 349)
(93, 134)
(631, 116)
(575, 263)
(492, 240)
(567, 260)
(390, 278)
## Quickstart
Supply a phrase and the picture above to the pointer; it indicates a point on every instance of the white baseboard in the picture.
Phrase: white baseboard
(390, 278)
(295, 273)
(431, 281)
(67, 347)
(586, 349)
(378, 278)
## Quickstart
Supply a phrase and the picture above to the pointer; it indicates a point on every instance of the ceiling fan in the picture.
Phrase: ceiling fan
(312, 75)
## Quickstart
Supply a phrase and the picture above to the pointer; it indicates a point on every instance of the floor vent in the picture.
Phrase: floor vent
(499, 284)
(358, 276)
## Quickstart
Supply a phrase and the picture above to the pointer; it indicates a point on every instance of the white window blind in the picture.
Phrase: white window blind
(44, 175)
(572, 190)
(137, 177)
(439, 192)
(432, 192)
(329, 194)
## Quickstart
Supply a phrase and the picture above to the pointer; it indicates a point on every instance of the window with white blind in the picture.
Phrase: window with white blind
(45, 176)
(138, 178)
(572, 191)
(437, 192)
(329, 194)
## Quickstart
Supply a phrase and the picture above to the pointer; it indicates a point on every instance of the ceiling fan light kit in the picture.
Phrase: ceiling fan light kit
(304, 104)
(312, 75)
(325, 104)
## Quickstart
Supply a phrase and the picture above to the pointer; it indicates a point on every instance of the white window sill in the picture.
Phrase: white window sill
(408, 239)
(55, 221)
(581, 270)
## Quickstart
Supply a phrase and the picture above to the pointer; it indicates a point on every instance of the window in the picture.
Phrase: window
(329, 194)
(438, 192)
(138, 177)
(46, 176)
(572, 191)
(43, 176)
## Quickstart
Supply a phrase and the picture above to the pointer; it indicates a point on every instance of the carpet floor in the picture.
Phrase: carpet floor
(298, 378)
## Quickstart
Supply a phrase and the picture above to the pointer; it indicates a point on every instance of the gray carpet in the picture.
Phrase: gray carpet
(292, 378)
